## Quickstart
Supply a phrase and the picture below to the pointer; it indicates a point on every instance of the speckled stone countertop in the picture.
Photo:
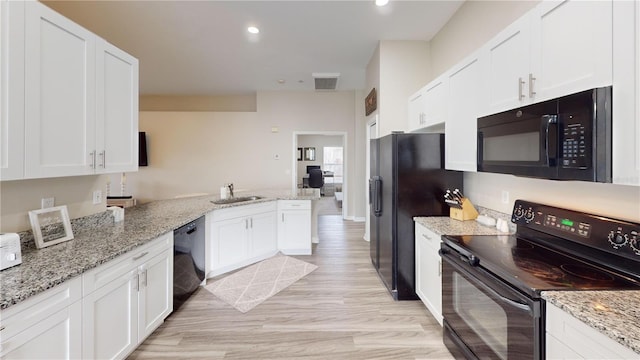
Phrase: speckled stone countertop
(444, 225)
(613, 313)
(97, 243)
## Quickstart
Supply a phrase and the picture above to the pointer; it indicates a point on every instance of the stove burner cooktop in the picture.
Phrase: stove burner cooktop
(534, 268)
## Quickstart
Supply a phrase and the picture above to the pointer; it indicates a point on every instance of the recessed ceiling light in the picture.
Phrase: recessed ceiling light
(382, 2)
(253, 29)
(281, 81)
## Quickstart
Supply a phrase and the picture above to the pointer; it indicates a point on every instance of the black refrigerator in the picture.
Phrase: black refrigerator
(407, 179)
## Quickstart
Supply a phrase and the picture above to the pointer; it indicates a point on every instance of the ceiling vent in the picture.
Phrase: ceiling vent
(325, 81)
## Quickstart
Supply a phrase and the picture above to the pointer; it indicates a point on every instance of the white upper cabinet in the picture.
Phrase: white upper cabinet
(428, 106)
(416, 110)
(506, 68)
(116, 109)
(571, 44)
(626, 93)
(59, 95)
(461, 125)
(69, 98)
(12, 91)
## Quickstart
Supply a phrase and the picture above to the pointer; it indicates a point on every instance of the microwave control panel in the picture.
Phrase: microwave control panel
(576, 143)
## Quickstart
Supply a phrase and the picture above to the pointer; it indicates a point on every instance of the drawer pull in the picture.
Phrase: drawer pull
(427, 237)
(141, 256)
(1, 328)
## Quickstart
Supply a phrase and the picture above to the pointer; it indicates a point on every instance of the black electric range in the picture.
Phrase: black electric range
(498, 279)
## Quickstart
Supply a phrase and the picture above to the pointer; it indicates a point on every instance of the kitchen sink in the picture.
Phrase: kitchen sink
(236, 200)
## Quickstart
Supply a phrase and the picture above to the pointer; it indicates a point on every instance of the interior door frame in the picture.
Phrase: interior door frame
(372, 132)
(345, 165)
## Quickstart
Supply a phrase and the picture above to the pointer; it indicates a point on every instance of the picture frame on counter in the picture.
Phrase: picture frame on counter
(50, 226)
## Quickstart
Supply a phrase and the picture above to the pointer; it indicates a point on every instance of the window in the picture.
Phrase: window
(332, 161)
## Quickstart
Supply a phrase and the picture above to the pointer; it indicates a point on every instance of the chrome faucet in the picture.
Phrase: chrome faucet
(230, 187)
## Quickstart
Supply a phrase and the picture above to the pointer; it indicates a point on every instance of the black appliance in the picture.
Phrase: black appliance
(188, 260)
(568, 138)
(406, 180)
(491, 300)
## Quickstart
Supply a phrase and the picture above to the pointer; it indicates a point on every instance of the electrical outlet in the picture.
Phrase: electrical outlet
(47, 202)
(505, 197)
(97, 197)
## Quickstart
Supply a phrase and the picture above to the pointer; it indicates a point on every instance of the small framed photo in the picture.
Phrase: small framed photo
(50, 226)
(309, 154)
(299, 154)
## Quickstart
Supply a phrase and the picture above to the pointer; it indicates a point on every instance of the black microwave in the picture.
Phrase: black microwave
(567, 138)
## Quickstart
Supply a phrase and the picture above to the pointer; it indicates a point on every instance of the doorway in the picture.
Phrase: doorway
(336, 181)
(372, 133)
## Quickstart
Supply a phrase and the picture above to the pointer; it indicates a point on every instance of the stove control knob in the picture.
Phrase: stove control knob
(635, 243)
(618, 239)
(529, 215)
(518, 212)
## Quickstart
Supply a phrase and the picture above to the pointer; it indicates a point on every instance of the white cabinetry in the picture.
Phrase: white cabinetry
(570, 338)
(571, 47)
(126, 299)
(240, 236)
(59, 94)
(556, 49)
(46, 326)
(116, 109)
(75, 95)
(12, 90)
(428, 106)
(294, 227)
(429, 270)
(626, 93)
(506, 68)
(416, 110)
(461, 125)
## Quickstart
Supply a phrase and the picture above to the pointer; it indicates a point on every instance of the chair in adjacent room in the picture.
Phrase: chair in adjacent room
(316, 180)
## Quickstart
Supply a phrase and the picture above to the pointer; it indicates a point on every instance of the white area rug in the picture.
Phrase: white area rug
(254, 284)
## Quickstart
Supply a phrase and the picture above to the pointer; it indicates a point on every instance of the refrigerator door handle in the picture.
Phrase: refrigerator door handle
(377, 203)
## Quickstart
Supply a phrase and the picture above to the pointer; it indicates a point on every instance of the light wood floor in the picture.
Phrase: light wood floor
(339, 311)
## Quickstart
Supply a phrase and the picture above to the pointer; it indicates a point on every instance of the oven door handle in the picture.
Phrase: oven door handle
(510, 302)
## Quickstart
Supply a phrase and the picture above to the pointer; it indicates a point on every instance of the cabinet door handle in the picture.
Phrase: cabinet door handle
(136, 282)
(531, 80)
(251, 222)
(92, 159)
(1, 328)
(520, 84)
(426, 237)
(246, 224)
(103, 158)
(140, 256)
(283, 217)
(143, 277)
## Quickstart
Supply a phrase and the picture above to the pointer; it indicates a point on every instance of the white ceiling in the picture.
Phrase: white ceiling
(203, 48)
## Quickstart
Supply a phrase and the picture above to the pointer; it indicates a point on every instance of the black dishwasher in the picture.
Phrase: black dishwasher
(188, 260)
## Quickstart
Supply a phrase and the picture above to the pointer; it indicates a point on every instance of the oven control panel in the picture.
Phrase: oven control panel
(611, 235)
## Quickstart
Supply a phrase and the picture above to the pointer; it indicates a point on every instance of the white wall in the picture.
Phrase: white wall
(475, 23)
(18, 197)
(197, 152)
(404, 69)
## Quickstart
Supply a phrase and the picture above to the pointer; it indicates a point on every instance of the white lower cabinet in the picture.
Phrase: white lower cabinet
(46, 326)
(294, 227)
(126, 299)
(429, 270)
(240, 236)
(570, 338)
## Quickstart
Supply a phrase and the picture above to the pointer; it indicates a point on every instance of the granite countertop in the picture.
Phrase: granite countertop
(444, 225)
(96, 242)
(613, 313)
